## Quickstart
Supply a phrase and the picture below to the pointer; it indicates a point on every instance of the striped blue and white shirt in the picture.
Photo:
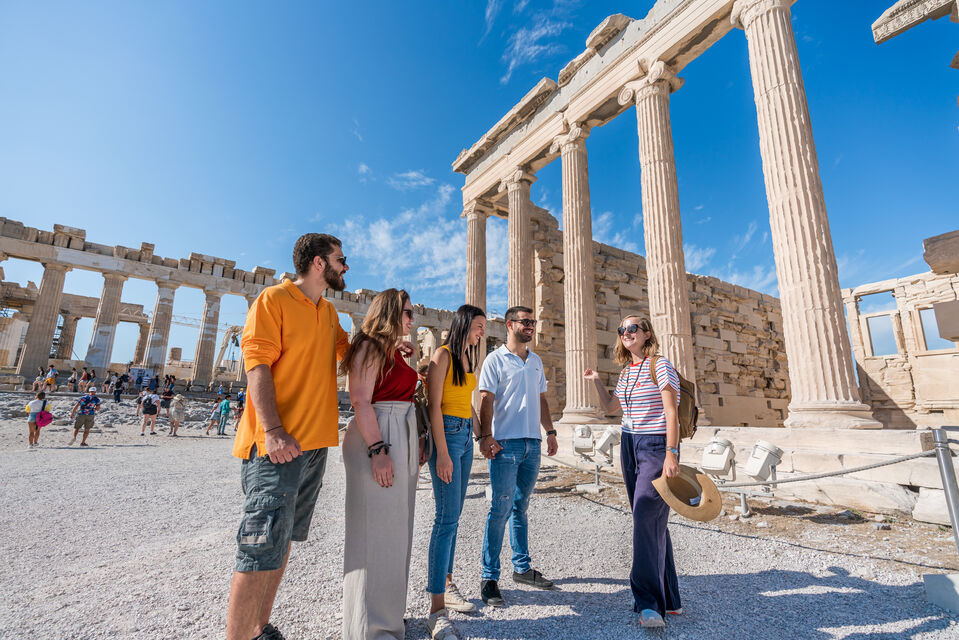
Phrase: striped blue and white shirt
(641, 400)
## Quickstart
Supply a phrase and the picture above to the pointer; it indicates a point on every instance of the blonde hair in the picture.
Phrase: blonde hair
(382, 328)
(623, 355)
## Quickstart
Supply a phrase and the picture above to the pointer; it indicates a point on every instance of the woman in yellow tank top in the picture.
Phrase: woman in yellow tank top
(450, 382)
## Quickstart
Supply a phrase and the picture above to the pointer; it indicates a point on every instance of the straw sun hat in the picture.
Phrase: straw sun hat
(681, 494)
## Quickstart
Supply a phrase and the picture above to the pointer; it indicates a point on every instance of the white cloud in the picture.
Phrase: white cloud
(364, 172)
(411, 179)
(356, 130)
(492, 10)
(698, 207)
(607, 230)
(704, 220)
(760, 278)
(536, 40)
(696, 257)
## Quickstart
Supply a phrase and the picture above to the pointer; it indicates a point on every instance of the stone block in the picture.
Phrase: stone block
(931, 506)
(737, 347)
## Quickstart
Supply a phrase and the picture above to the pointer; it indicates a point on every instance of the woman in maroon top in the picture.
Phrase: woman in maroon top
(382, 458)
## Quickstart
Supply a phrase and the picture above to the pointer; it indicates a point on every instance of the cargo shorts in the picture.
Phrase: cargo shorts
(278, 507)
(83, 422)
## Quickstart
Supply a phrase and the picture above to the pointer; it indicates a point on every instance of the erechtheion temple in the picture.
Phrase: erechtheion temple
(804, 371)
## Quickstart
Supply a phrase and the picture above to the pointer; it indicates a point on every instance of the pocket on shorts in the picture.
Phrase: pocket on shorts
(262, 522)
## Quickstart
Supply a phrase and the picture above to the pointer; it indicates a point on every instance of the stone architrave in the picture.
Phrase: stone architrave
(579, 290)
(142, 342)
(519, 280)
(155, 354)
(105, 326)
(206, 343)
(669, 308)
(43, 322)
(67, 336)
(824, 390)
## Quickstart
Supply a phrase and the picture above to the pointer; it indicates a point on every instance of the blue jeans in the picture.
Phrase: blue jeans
(221, 428)
(449, 501)
(512, 475)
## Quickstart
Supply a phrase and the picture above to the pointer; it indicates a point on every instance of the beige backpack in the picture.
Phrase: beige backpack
(688, 411)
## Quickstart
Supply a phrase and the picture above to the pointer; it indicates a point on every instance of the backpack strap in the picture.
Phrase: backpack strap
(652, 370)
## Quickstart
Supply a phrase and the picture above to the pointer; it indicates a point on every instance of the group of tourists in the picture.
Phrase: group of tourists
(83, 411)
(293, 338)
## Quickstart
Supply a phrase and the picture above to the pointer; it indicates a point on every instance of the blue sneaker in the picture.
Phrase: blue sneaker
(650, 619)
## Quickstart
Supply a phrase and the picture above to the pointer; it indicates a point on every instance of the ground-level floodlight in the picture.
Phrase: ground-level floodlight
(763, 460)
(608, 440)
(719, 458)
(583, 441)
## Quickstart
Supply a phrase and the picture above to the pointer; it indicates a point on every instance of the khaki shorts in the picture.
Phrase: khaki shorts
(83, 422)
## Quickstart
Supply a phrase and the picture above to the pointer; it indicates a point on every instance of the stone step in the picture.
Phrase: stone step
(879, 441)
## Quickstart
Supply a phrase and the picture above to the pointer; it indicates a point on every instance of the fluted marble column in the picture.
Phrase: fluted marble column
(67, 336)
(105, 327)
(141, 342)
(206, 344)
(579, 290)
(519, 279)
(43, 322)
(155, 355)
(663, 231)
(476, 217)
(824, 391)
(241, 364)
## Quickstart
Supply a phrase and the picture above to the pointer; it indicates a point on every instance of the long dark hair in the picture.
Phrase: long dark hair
(456, 341)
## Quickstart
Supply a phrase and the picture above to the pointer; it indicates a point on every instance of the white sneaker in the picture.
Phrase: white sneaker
(440, 626)
(454, 600)
(72, 440)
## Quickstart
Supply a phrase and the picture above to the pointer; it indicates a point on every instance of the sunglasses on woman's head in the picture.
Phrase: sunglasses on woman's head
(630, 329)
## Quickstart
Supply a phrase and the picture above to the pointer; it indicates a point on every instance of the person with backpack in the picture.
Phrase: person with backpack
(451, 380)
(35, 419)
(150, 406)
(648, 392)
(72, 380)
(88, 404)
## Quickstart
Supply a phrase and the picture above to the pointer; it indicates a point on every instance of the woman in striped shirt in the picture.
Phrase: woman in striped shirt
(649, 447)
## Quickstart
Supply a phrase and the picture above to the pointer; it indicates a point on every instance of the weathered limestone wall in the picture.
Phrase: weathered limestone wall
(737, 333)
(917, 386)
(12, 331)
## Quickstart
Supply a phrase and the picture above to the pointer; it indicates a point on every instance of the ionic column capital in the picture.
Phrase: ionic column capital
(745, 11)
(476, 208)
(660, 80)
(515, 179)
(573, 139)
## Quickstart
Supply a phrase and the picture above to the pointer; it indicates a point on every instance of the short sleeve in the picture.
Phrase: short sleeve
(542, 377)
(261, 341)
(666, 374)
(489, 374)
(620, 390)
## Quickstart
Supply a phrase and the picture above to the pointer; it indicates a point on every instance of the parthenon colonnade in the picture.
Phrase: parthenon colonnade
(634, 63)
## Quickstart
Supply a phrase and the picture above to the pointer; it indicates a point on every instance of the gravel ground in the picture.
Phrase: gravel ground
(134, 538)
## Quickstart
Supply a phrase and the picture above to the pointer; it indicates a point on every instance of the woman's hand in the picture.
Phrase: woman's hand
(444, 467)
(383, 469)
(670, 466)
(422, 451)
(589, 374)
(489, 447)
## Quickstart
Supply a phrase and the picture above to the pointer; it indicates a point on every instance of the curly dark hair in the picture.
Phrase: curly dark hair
(309, 246)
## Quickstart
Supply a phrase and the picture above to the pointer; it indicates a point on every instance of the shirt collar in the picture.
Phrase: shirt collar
(298, 295)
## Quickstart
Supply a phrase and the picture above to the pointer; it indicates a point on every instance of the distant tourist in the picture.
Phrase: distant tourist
(34, 407)
(165, 398)
(150, 407)
(153, 384)
(214, 419)
(513, 406)
(381, 452)
(139, 382)
(649, 448)
(84, 379)
(50, 379)
(177, 413)
(73, 379)
(284, 452)
(38, 381)
(93, 379)
(87, 406)
(240, 405)
(117, 389)
(224, 415)
(171, 383)
(451, 381)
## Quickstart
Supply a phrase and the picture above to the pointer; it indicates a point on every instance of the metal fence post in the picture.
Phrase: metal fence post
(948, 473)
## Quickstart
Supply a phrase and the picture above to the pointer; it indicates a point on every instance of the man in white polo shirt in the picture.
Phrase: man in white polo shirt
(513, 390)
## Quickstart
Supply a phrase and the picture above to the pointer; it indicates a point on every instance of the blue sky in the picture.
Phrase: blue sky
(230, 128)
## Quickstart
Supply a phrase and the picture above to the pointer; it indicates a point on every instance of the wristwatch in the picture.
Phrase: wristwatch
(673, 450)
(551, 432)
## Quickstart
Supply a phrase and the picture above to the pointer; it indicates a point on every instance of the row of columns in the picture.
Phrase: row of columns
(824, 392)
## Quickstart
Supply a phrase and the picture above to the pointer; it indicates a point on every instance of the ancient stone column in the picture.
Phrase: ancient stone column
(155, 354)
(141, 342)
(663, 231)
(206, 344)
(43, 322)
(579, 294)
(824, 391)
(67, 336)
(105, 326)
(519, 280)
(476, 217)
(241, 365)
(415, 357)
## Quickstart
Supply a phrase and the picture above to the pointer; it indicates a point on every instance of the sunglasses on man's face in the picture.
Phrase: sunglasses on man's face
(630, 329)
(526, 322)
(341, 260)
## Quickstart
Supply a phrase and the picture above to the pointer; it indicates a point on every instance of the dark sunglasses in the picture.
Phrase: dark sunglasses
(526, 322)
(630, 329)
(408, 313)
(342, 260)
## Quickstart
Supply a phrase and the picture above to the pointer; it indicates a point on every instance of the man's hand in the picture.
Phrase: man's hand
(552, 446)
(406, 349)
(281, 447)
(489, 447)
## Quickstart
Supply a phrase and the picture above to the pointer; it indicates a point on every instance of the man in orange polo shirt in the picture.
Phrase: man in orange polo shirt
(291, 342)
